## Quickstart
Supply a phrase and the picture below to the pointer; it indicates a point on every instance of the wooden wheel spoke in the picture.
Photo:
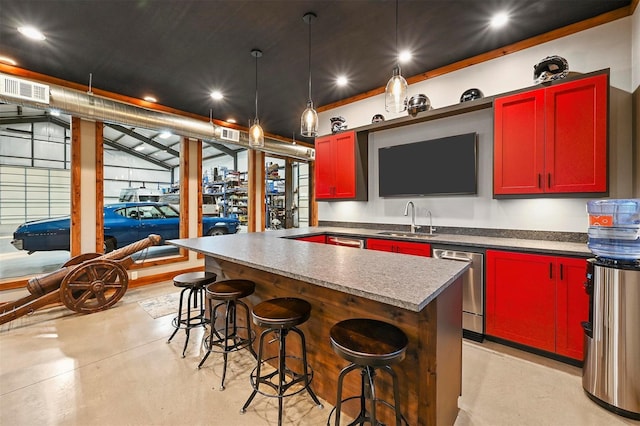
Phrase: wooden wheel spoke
(110, 274)
(82, 300)
(79, 285)
(92, 272)
(101, 297)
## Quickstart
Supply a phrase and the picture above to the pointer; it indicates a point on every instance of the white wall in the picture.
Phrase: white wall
(606, 46)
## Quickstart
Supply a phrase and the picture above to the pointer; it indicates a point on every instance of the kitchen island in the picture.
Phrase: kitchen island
(422, 296)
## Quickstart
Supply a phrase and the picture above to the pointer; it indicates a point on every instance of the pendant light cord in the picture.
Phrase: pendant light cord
(310, 19)
(256, 87)
(397, 53)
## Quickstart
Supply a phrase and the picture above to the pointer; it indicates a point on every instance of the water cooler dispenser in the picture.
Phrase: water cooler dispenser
(611, 371)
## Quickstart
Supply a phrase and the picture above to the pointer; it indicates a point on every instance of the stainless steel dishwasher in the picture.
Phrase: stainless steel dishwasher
(472, 290)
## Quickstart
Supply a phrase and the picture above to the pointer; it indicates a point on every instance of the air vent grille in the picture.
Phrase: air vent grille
(24, 89)
(230, 134)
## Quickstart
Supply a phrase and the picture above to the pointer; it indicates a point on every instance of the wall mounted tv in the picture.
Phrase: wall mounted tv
(433, 167)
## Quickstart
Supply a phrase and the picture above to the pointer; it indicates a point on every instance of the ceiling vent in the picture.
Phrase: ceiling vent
(230, 135)
(24, 89)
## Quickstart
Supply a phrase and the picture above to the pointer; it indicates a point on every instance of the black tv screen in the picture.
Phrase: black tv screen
(434, 167)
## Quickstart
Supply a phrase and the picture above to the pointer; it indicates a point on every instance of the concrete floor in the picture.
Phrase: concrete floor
(115, 368)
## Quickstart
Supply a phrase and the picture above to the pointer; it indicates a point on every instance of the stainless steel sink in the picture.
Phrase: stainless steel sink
(406, 234)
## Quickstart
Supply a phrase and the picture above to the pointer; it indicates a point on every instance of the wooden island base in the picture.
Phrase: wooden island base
(431, 374)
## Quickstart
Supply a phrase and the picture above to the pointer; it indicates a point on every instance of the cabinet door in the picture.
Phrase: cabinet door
(572, 307)
(518, 157)
(576, 136)
(381, 245)
(416, 249)
(313, 238)
(344, 145)
(520, 298)
(325, 167)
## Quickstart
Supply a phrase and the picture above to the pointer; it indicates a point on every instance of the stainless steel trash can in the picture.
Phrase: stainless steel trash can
(611, 371)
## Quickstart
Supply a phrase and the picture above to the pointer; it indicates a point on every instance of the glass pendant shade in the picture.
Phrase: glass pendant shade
(395, 94)
(256, 135)
(309, 121)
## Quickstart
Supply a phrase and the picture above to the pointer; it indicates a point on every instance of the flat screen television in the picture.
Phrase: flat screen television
(433, 167)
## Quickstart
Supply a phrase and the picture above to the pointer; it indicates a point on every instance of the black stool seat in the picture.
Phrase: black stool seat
(230, 337)
(193, 283)
(369, 345)
(230, 289)
(193, 279)
(368, 342)
(281, 316)
(284, 312)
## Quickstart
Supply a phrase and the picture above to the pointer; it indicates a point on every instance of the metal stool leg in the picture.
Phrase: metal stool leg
(396, 394)
(229, 317)
(307, 384)
(248, 322)
(192, 296)
(257, 382)
(178, 320)
(343, 374)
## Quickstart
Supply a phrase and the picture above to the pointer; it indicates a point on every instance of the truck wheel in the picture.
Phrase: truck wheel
(217, 231)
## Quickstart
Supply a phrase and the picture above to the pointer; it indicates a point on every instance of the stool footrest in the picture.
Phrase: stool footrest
(294, 377)
(218, 344)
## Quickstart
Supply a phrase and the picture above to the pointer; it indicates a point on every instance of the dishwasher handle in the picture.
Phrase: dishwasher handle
(459, 259)
(349, 243)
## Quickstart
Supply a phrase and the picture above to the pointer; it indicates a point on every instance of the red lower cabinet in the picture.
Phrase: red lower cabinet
(537, 301)
(405, 247)
(573, 308)
(314, 239)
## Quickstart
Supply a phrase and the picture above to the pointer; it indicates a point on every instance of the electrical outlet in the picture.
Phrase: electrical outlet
(134, 275)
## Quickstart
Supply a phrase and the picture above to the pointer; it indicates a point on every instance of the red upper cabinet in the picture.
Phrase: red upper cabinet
(552, 140)
(341, 167)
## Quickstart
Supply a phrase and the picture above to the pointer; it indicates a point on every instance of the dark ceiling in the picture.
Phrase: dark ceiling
(181, 50)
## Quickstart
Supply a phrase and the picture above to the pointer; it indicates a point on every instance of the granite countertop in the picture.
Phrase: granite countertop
(404, 281)
(480, 242)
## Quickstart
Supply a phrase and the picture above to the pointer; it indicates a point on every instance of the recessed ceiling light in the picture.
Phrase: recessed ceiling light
(342, 80)
(8, 60)
(499, 19)
(231, 120)
(405, 56)
(150, 99)
(31, 32)
(217, 95)
(165, 135)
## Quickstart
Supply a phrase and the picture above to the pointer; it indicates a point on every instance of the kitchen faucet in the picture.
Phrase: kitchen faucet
(431, 228)
(413, 216)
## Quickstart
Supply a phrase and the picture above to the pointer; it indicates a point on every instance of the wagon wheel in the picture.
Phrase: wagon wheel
(94, 286)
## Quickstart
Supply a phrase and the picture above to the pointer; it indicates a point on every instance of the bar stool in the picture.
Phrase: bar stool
(228, 339)
(192, 282)
(369, 345)
(280, 316)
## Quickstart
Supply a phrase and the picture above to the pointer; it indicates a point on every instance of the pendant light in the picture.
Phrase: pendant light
(395, 94)
(309, 118)
(256, 134)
